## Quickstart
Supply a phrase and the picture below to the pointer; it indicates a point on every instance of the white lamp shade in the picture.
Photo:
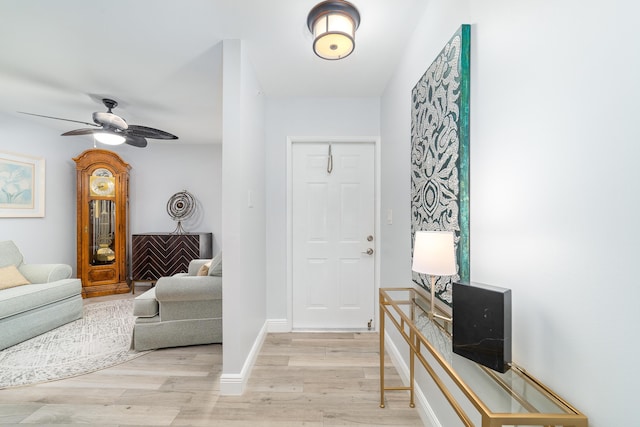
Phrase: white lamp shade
(434, 253)
(109, 138)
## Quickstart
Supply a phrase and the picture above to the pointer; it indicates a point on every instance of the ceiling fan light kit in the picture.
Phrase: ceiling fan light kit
(333, 25)
(109, 138)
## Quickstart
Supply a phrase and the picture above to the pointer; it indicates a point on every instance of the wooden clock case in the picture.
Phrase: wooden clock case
(102, 223)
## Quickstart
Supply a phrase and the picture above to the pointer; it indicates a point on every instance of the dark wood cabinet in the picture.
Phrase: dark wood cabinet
(155, 255)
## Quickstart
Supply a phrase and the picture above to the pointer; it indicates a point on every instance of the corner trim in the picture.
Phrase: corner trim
(234, 384)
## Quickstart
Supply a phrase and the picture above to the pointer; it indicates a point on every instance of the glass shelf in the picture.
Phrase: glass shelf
(503, 399)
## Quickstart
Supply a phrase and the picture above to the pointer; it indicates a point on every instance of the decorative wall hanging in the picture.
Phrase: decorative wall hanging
(21, 186)
(440, 154)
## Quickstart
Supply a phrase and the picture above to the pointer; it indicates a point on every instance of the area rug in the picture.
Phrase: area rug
(102, 338)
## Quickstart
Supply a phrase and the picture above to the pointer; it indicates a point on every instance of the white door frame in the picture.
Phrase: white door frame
(333, 140)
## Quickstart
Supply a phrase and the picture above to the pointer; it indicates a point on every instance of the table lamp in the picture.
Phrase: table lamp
(434, 254)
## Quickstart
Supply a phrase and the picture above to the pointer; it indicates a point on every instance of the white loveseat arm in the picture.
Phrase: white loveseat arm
(45, 273)
(189, 297)
(188, 288)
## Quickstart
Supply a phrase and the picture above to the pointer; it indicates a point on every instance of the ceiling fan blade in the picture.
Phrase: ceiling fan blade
(58, 118)
(136, 141)
(80, 132)
(147, 132)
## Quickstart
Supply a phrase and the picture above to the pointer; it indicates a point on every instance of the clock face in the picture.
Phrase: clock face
(102, 172)
(102, 186)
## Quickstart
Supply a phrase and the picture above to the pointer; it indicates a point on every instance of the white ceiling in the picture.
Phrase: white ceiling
(160, 59)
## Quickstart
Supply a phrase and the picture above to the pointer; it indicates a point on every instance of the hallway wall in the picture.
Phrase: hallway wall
(554, 180)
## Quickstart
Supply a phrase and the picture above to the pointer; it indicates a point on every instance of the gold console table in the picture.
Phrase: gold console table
(514, 398)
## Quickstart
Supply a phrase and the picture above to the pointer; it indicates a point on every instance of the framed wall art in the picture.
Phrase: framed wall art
(440, 154)
(21, 186)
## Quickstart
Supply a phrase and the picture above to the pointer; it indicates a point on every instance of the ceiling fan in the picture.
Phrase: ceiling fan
(112, 129)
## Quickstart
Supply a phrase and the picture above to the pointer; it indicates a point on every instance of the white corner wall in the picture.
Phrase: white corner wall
(554, 182)
(243, 218)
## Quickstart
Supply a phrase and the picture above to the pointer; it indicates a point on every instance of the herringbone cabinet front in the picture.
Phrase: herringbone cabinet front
(155, 255)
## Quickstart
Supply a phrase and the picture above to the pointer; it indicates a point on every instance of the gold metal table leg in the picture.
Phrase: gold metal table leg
(381, 357)
(412, 359)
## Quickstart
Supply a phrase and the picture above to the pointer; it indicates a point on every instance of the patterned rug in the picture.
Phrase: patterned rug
(102, 338)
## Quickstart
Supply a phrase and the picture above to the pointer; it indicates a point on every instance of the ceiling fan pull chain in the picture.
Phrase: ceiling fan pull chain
(330, 161)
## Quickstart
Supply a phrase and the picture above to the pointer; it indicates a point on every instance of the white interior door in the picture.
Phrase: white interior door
(333, 228)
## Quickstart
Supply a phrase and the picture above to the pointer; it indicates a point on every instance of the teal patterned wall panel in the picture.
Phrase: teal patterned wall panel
(440, 154)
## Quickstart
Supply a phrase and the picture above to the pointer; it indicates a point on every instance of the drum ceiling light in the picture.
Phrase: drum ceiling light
(333, 24)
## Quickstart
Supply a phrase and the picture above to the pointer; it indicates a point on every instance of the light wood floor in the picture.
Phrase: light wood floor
(300, 379)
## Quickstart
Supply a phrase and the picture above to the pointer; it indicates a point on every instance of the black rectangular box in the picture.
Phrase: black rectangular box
(482, 324)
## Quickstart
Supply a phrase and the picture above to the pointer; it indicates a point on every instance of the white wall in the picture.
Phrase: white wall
(161, 170)
(157, 172)
(301, 117)
(53, 237)
(243, 217)
(554, 200)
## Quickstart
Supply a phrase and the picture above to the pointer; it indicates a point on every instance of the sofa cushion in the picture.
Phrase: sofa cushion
(146, 305)
(215, 269)
(27, 297)
(10, 276)
(10, 254)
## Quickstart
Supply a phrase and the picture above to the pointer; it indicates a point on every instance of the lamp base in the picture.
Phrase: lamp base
(432, 312)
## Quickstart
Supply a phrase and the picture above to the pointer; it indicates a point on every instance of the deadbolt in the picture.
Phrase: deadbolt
(369, 238)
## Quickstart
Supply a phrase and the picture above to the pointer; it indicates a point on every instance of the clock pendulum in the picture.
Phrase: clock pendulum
(104, 238)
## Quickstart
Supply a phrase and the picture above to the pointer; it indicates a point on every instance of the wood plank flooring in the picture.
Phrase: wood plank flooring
(300, 379)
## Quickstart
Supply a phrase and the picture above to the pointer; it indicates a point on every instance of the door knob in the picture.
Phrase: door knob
(368, 251)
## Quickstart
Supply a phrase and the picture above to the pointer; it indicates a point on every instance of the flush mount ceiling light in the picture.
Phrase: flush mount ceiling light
(333, 24)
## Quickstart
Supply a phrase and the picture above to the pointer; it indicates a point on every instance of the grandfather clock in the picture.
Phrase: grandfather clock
(102, 181)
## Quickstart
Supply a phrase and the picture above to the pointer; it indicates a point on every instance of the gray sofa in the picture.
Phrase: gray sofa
(51, 299)
(184, 309)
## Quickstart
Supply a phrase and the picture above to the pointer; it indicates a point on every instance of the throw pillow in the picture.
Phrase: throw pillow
(11, 277)
(204, 269)
(216, 265)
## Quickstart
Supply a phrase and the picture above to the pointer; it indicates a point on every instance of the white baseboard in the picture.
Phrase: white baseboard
(234, 384)
(425, 411)
(278, 325)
